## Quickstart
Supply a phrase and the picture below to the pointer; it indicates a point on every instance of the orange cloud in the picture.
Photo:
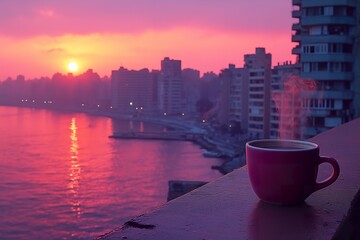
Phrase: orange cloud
(198, 48)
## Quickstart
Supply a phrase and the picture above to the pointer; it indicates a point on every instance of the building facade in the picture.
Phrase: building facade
(170, 87)
(258, 66)
(327, 33)
(233, 107)
(191, 90)
(132, 90)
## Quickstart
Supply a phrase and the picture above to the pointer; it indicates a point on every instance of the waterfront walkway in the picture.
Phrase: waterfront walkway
(172, 135)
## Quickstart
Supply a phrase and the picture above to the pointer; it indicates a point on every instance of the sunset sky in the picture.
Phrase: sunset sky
(40, 37)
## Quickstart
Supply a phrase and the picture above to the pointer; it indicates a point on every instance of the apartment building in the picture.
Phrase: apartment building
(170, 87)
(234, 97)
(132, 90)
(258, 67)
(328, 35)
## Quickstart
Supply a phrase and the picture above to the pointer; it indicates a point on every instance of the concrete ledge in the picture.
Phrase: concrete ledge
(228, 208)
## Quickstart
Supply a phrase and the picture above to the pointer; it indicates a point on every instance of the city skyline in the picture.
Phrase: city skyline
(39, 39)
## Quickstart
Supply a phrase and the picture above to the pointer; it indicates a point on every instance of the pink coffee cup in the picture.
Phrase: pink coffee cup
(285, 171)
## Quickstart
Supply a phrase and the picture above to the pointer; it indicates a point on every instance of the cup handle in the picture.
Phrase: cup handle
(334, 175)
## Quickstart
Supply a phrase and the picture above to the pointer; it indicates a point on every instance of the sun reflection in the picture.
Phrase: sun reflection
(75, 170)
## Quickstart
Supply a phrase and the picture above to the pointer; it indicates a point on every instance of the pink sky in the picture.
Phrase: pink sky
(39, 38)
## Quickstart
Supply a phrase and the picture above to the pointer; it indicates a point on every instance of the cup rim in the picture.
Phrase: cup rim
(310, 145)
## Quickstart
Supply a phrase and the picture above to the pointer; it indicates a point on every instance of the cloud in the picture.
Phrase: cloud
(38, 17)
(55, 50)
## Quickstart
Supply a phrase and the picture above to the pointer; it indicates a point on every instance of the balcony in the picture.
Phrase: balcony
(321, 20)
(332, 94)
(296, 26)
(328, 57)
(296, 51)
(229, 209)
(296, 38)
(326, 39)
(318, 3)
(296, 13)
(296, 2)
(328, 75)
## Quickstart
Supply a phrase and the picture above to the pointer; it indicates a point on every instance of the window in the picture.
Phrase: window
(315, 48)
(348, 67)
(328, 11)
(319, 121)
(306, 67)
(322, 66)
(338, 29)
(335, 67)
(256, 74)
(347, 48)
(314, 11)
(339, 11)
(315, 30)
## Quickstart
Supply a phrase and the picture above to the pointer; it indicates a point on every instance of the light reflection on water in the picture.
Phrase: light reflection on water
(75, 170)
(63, 178)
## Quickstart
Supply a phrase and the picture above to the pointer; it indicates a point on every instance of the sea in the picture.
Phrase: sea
(62, 177)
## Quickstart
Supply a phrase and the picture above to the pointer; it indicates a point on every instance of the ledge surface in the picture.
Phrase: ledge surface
(227, 208)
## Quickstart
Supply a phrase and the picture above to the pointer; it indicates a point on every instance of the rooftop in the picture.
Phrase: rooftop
(227, 208)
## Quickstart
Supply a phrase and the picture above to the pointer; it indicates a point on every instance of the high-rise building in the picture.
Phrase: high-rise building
(170, 87)
(223, 113)
(191, 83)
(233, 109)
(328, 37)
(132, 90)
(258, 66)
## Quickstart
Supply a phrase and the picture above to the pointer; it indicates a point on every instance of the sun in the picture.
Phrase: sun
(72, 66)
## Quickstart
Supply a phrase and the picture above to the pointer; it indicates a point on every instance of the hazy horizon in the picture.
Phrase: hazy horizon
(40, 38)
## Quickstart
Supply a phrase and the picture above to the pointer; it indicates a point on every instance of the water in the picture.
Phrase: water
(61, 177)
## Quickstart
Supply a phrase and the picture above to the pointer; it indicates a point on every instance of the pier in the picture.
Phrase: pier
(173, 136)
